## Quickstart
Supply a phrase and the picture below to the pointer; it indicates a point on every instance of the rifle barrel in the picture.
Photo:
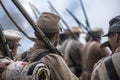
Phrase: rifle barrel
(80, 24)
(36, 28)
(84, 12)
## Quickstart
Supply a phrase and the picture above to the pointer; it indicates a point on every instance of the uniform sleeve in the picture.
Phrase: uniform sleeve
(100, 72)
(95, 75)
(58, 67)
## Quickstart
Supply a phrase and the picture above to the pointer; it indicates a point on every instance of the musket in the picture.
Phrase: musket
(84, 12)
(52, 7)
(10, 17)
(5, 47)
(33, 10)
(45, 39)
(36, 9)
(80, 24)
(76, 22)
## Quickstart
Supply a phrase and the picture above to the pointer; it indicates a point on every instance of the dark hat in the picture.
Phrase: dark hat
(48, 22)
(114, 26)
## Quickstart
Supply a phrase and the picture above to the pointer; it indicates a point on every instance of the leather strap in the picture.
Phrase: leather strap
(111, 69)
(40, 55)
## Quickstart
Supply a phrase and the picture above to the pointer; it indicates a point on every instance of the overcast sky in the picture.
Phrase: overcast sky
(99, 13)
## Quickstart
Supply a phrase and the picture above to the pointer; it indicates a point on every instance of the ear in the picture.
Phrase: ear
(116, 37)
(57, 35)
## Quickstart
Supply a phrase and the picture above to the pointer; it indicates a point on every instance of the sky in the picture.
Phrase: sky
(99, 12)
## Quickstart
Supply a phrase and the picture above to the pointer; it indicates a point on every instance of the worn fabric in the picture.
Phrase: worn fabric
(58, 68)
(100, 72)
(92, 53)
(72, 55)
(62, 47)
(19, 70)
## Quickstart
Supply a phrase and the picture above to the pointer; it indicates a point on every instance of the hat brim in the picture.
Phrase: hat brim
(105, 44)
(106, 35)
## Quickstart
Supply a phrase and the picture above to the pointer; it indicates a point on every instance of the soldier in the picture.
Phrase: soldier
(48, 23)
(92, 53)
(19, 70)
(13, 37)
(72, 51)
(109, 67)
(63, 36)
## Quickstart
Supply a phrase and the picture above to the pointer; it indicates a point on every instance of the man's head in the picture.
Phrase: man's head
(114, 32)
(12, 38)
(96, 32)
(48, 23)
(76, 31)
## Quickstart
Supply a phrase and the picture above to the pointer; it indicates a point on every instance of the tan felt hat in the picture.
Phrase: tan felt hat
(48, 22)
(12, 35)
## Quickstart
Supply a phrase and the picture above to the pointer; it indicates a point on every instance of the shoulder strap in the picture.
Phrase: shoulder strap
(111, 69)
(40, 55)
(24, 55)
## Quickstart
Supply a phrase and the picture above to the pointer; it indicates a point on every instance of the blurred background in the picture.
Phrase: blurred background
(99, 12)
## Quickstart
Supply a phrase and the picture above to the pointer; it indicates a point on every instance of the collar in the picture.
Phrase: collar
(117, 50)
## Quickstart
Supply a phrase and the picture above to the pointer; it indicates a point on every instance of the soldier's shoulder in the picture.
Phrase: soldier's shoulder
(101, 61)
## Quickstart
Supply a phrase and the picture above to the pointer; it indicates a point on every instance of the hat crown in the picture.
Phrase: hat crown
(114, 25)
(12, 35)
(48, 22)
(97, 32)
(75, 29)
(114, 20)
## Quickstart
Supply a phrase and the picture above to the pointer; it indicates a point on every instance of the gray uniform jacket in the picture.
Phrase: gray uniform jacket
(58, 68)
(100, 72)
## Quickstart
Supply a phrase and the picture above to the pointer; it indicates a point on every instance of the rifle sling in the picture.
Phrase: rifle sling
(111, 69)
(37, 58)
(40, 55)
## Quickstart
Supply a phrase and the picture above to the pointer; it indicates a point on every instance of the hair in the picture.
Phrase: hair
(49, 35)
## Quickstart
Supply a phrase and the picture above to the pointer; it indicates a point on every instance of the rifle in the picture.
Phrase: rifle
(2, 5)
(62, 20)
(4, 44)
(80, 24)
(34, 10)
(34, 7)
(84, 12)
(36, 28)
